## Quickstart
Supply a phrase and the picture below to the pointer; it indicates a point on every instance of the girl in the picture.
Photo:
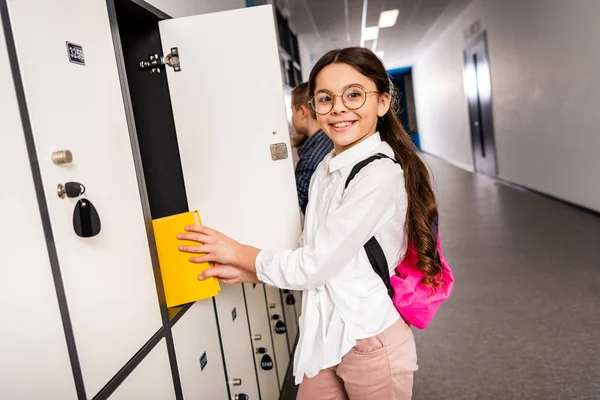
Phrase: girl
(353, 343)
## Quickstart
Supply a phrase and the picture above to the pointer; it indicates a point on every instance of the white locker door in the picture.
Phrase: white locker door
(229, 114)
(264, 356)
(237, 344)
(150, 380)
(280, 339)
(108, 278)
(34, 362)
(198, 353)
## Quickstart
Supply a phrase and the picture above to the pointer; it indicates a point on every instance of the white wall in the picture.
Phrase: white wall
(304, 60)
(184, 8)
(545, 94)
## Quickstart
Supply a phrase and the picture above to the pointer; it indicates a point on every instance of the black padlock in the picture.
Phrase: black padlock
(261, 350)
(275, 317)
(280, 327)
(290, 300)
(266, 363)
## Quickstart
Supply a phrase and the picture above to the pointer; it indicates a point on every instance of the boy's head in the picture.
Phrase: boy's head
(304, 117)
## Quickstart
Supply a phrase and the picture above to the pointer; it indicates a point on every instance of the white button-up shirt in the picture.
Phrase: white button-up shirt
(343, 299)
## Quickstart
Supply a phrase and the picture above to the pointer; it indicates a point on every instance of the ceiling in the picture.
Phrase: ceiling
(322, 25)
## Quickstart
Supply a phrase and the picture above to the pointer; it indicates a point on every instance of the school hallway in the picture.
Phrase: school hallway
(522, 322)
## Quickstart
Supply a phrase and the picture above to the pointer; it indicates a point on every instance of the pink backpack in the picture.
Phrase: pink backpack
(416, 302)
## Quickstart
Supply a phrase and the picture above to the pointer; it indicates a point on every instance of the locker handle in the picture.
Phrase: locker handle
(272, 305)
(236, 382)
(258, 336)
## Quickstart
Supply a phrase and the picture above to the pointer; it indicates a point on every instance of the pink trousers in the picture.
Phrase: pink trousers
(377, 368)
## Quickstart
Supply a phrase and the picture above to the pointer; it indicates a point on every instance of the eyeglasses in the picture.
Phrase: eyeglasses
(353, 98)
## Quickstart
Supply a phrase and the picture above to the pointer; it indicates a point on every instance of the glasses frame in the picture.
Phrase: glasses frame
(367, 92)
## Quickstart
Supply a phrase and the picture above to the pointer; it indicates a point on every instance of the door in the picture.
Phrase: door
(150, 380)
(264, 356)
(279, 331)
(478, 90)
(32, 340)
(74, 101)
(198, 353)
(288, 299)
(229, 113)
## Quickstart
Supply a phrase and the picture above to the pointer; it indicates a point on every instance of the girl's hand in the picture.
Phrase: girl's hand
(234, 262)
(230, 274)
(215, 246)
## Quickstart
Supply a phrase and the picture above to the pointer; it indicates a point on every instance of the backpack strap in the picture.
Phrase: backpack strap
(372, 247)
(356, 169)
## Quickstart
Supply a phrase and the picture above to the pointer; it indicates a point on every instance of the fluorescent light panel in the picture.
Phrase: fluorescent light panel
(370, 33)
(388, 18)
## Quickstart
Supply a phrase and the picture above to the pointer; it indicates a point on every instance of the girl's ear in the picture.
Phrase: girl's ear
(384, 104)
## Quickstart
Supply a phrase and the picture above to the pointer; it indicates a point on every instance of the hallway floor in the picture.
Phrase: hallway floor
(524, 318)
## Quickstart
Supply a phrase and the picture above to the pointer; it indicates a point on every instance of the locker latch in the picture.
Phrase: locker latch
(156, 62)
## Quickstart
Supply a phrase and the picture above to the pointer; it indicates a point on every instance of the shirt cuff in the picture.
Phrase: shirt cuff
(260, 264)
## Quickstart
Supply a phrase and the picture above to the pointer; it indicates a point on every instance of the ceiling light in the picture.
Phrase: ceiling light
(388, 18)
(370, 33)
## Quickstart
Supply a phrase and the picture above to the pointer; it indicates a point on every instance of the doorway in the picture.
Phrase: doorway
(478, 90)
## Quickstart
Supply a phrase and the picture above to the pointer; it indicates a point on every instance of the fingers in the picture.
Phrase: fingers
(196, 237)
(203, 249)
(225, 273)
(204, 259)
(200, 229)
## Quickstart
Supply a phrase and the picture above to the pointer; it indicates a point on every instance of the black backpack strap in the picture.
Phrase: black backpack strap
(372, 247)
(379, 263)
(356, 169)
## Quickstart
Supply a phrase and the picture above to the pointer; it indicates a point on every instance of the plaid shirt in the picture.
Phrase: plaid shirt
(310, 154)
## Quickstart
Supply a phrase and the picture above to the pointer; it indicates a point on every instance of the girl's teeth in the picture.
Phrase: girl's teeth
(342, 125)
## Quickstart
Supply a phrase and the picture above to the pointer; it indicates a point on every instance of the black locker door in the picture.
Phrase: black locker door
(479, 97)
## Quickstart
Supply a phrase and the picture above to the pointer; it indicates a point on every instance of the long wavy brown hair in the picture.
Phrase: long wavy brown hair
(421, 216)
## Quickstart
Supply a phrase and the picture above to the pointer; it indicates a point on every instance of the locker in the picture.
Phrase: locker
(32, 341)
(74, 100)
(288, 300)
(280, 337)
(150, 380)
(265, 358)
(198, 351)
(214, 140)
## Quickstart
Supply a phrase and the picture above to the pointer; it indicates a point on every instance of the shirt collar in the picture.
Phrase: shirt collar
(310, 142)
(355, 153)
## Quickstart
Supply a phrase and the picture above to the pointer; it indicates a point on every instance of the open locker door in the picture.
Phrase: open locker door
(232, 132)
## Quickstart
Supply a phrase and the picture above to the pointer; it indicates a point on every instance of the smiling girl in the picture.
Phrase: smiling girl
(353, 343)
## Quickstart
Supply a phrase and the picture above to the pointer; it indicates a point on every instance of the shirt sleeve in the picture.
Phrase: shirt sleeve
(369, 202)
(304, 172)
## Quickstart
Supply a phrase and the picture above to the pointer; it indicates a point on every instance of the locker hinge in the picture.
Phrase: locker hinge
(156, 62)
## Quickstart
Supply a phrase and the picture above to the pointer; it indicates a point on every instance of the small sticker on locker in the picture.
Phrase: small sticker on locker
(233, 314)
(75, 53)
(203, 361)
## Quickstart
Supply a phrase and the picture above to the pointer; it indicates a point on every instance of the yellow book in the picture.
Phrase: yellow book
(179, 275)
